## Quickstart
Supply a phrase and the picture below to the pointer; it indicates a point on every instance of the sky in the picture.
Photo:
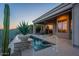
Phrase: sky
(25, 12)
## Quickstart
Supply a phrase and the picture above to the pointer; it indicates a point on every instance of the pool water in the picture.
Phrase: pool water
(39, 44)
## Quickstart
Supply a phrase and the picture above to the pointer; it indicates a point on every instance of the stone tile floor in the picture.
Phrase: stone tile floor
(63, 47)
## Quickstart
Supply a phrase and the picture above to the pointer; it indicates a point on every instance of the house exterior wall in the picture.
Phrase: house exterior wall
(63, 35)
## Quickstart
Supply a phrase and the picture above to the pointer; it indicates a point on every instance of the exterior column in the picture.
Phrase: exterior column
(54, 26)
(34, 29)
(75, 25)
(54, 29)
(68, 27)
(41, 28)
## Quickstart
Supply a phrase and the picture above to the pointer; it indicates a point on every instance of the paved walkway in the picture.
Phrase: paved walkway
(63, 47)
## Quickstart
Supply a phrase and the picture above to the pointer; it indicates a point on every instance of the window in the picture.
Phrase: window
(62, 26)
(62, 23)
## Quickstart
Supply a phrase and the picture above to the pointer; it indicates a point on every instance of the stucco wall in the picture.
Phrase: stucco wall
(63, 35)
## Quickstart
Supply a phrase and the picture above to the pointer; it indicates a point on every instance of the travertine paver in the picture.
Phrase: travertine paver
(63, 47)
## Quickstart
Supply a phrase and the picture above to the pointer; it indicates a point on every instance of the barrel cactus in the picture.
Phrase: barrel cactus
(5, 49)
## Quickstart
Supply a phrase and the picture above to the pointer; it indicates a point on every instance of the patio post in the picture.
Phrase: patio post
(54, 29)
(43, 28)
(34, 29)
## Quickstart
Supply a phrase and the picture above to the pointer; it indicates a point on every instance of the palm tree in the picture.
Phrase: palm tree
(5, 49)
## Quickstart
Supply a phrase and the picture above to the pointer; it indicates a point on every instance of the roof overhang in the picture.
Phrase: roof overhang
(62, 8)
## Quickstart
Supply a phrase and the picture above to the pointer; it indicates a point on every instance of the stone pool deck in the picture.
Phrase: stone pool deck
(63, 47)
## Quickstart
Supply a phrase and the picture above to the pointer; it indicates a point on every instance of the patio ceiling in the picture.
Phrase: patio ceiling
(62, 8)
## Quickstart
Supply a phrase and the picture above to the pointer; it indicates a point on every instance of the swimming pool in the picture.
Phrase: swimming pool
(39, 44)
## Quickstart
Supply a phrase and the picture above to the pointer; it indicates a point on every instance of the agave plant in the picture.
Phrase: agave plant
(5, 44)
(23, 28)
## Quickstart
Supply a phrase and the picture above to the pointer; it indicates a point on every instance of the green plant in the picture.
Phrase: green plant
(23, 28)
(5, 44)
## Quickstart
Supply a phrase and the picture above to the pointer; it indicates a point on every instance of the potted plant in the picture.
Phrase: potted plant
(24, 30)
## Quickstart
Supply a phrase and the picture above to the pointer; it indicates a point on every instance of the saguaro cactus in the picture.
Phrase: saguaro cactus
(5, 44)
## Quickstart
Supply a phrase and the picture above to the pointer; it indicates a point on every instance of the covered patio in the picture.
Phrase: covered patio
(61, 21)
(59, 25)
